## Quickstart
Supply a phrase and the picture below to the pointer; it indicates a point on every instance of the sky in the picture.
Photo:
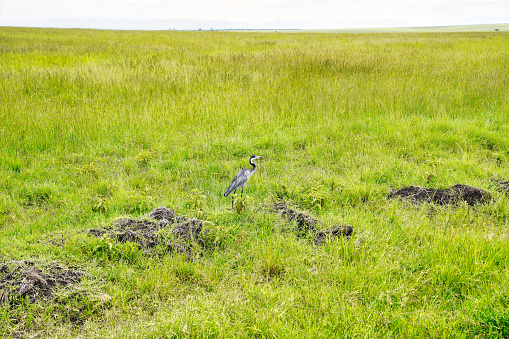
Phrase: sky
(252, 14)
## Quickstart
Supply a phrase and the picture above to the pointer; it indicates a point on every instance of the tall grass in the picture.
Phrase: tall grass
(99, 124)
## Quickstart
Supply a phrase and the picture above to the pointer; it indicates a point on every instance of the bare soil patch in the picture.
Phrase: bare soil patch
(32, 280)
(502, 186)
(336, 232)
(450, 196)
(146, 232)
(165, 215)
(306, 223)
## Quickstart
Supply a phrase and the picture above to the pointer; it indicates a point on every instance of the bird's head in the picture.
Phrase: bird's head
(255, 157)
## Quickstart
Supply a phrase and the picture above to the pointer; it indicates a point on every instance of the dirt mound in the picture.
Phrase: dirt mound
(165, 216)
(306, 223)
(189, 230)
(146, 232)
(340, 231)
(502, 186)
(143, 232)
(450, 196)
(28, 279)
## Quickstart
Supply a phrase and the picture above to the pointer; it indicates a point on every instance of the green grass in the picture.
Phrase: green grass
(96, 125)
(502, 27)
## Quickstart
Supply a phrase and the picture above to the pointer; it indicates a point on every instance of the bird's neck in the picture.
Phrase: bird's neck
(252, 164)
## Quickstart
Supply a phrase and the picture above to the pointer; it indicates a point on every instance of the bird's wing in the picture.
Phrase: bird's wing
(237, 182)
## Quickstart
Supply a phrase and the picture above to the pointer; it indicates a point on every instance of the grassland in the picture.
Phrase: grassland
(423, 29)
(97, 125)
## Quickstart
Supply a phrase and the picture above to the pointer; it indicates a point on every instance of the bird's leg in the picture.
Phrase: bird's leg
(242, 191)
(232, 197)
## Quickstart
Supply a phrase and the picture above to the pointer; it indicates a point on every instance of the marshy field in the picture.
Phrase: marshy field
(354, 225)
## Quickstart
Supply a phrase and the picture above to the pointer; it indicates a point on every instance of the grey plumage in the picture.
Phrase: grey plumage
(240, 180)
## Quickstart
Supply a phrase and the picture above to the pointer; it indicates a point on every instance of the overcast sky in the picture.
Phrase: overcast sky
(194, 14)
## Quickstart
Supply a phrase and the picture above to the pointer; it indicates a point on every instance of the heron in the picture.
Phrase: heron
(240, 180)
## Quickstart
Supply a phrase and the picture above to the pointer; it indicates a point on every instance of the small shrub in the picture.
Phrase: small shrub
(240, 203)
(315, 196)
(99, 204)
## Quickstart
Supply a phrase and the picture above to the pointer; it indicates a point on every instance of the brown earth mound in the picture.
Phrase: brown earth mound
(340, 231)
(165, 216)
(189, 230)
(306, 223)
(145, 232)
(450, 196)
(502, 186)
(27, 279)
